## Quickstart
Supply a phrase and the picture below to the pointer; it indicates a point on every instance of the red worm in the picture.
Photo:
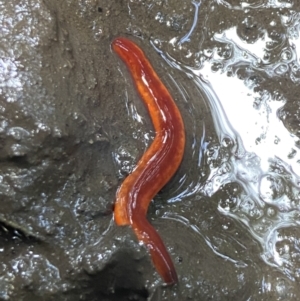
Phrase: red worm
(160, 161)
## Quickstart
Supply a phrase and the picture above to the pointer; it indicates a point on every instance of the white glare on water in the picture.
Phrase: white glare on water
(265, 158)
(264, 142)
(261, 130)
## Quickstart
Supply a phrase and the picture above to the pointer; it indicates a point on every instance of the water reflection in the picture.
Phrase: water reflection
(263, 155)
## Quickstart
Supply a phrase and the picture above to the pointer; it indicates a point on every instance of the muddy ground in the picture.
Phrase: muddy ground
(70, 134)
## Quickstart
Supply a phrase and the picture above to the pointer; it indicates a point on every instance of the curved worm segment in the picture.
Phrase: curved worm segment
(159, 162)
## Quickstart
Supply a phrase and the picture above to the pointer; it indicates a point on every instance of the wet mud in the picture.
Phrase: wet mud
(72, 127)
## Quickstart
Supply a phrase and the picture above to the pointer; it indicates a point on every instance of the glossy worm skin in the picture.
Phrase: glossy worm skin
(159, 162)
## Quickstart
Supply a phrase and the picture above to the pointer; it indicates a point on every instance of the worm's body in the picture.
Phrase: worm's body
(159, 162)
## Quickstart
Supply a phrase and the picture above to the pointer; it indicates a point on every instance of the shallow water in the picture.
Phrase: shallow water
(242, 68)
(72, 127)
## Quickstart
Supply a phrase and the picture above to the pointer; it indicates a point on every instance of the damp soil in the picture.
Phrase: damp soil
(70, 134)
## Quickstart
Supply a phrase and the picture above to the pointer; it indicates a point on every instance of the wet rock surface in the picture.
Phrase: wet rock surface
(58, 179)
(72, 127)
